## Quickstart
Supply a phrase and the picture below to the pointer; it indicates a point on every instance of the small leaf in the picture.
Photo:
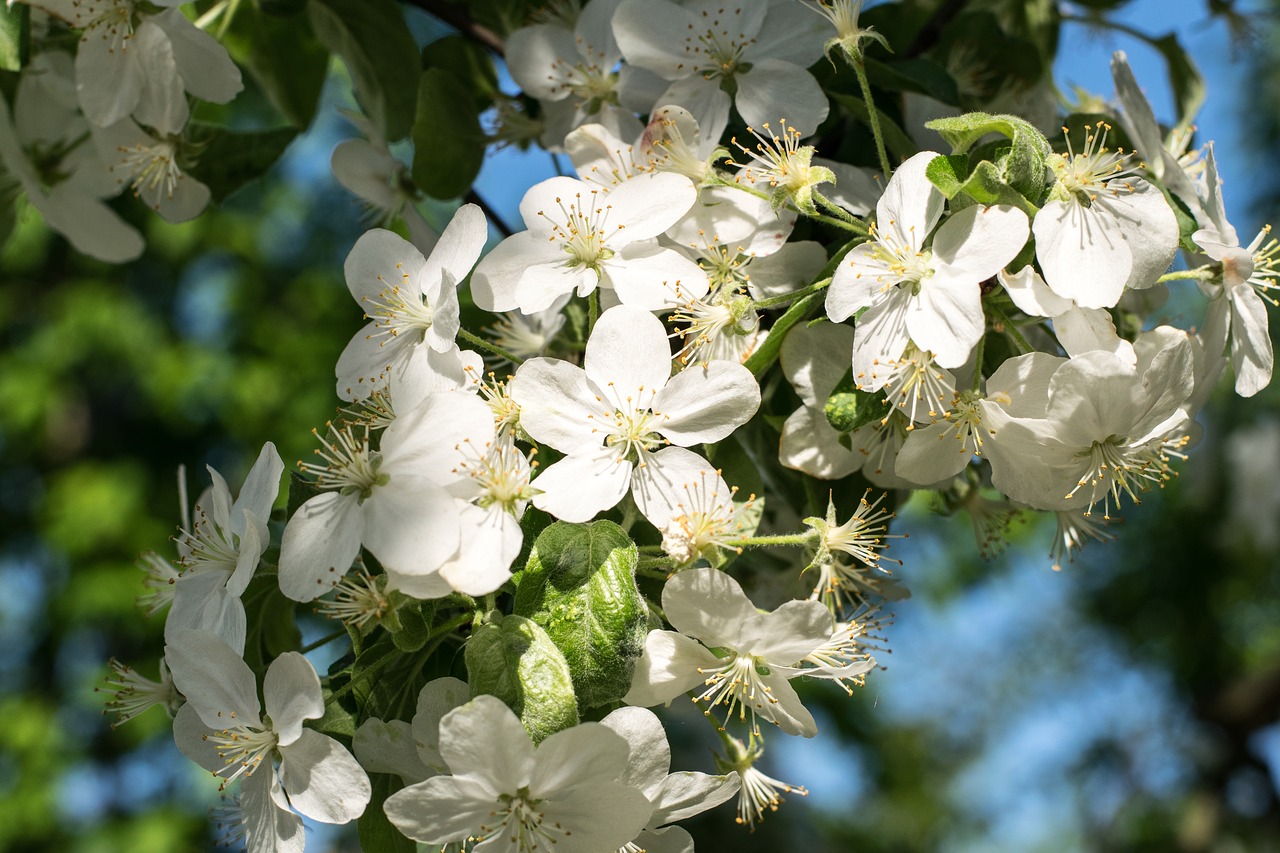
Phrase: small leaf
(512, 658)
(580, 586)
(301, 490)
(280, 632)
(15, 37)
(230, 159)
(414, 627)
(375, 43)
(1022, 168)
(448, 143)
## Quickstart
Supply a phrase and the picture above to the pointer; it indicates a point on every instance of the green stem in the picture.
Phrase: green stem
(840, 212)
(977, 363)
(649, 565)
(323, 640)
(593, 310)
(858, 229)
(232, 7)
(476, 340)
(873, 117)
(1011, 330)
(793, 539)
(1199, 273)
(788, 298)
(764, 357)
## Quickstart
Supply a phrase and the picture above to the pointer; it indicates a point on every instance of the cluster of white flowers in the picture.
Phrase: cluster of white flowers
(113, 117)
(985, 331)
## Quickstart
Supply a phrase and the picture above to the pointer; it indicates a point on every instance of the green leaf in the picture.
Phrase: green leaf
(467, 61)
(948, 172)
(512, 658)
(301, 490)
(1022, 167)
(414, 627)
(230, 159)
(283, 56)
(374, 828)
(280, 632)
(15, 37)
(739, 469)
(849, 408)
(895, 139)
(1184, 77)
(379, 51)
(580, 586)
(336, 719)
(921, 75)
(448, 143)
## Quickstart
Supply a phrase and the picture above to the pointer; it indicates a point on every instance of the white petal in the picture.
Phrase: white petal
(628, 357)
(411, 524)
(932, 454)
(458, 247)
(1082, 253)
(437, 698)
(579, 486)
(491, 540)
(707, 604)
(649, 204)
(324, 781)
(268, 828)
(650, 759)
(705, 403)
(1031, 295)
(911, 205)
(652, 278)
(442, 809)
(1251, 353)
(672, 664)
(319, 545)
(291, 691)
(217, 683)
(773, 90)
(109, 77)
(191, 736)
(485, 741)
(206, 68)
(586, 755)
(556, 403)
(811, 445)
(650, 34)
(976, 243)
(946, 318)
(163, 103)
(705, 101)
(381, 260)
(787, 634)
(261, 486)
(1082, 330)
(388, 747)
(685, 794)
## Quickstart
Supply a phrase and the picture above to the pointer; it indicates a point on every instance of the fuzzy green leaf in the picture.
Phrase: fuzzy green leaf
(580, 586)
(512, 658)
(448, 144)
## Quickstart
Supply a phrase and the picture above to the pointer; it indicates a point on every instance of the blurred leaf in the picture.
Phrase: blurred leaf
(466, 61)
(448, 144)
(377, 833)
(229, 160)
(282, 54)
(374, 42)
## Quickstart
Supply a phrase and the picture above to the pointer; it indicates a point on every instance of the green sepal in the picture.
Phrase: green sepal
(375, 43)
(579, 585)
(448, 143)
(511, 657)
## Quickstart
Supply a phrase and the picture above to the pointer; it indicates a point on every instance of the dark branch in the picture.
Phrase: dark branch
(460, 19)
(503, 228)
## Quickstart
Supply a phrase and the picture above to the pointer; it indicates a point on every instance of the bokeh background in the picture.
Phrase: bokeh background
(1130, 701)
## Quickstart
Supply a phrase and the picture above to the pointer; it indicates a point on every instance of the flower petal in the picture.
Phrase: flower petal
(324, 781)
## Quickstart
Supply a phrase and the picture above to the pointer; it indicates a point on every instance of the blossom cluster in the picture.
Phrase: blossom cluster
(687, 341)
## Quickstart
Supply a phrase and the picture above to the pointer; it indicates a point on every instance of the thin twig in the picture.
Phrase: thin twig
(503, 228)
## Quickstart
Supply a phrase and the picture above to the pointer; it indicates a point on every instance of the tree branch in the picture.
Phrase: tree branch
(460, 19)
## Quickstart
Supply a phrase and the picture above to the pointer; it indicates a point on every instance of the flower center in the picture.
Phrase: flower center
(154, 167)
(1113, 468)
(349, 465)
(398, 308)
(630, 427)
(242, 749)
(738, 685)
(1094, 170)
(583, 229)
(517, 816)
